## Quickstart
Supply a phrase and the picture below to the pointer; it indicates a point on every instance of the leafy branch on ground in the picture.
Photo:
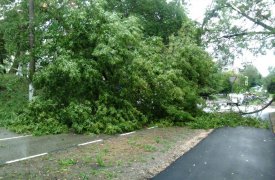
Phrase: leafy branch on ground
(217, 120)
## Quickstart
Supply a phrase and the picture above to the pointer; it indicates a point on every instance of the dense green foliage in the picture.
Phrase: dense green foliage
(271, 86)
(99, 73)
(14, 28)
(225, 86)
(250, 72)
(158, 17)
(254, 76)
(103, 70)
(13, 97)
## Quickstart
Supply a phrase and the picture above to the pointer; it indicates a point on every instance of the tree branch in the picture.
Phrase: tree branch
(240, 34)
(247, 34)
(210, 15)
(268, 104)
(265, 26)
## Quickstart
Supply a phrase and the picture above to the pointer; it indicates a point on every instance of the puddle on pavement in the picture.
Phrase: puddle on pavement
(29, 146)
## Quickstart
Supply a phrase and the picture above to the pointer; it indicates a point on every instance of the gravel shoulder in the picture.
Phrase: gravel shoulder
(136, 156)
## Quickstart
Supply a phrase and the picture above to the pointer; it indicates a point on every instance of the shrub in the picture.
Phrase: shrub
(41, 117)
(13, 97)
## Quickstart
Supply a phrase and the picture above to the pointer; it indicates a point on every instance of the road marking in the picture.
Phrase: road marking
(17, 137)
(91, 142)
(152, 127)
(125, 134)
(25, 158)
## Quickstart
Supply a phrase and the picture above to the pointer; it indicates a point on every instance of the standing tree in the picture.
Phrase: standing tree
(15, 35)
(254, 76)
(158, 17)
(31, 45)
(18, 34)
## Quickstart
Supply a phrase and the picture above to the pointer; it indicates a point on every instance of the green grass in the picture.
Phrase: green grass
(99, 160)
(13, 97)
(149, 148)
(67, 162)
(158, 139)
(103, 172)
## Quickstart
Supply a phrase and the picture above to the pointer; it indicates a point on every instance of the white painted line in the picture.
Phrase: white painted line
(25, 158)
(17, 137)
(152, 127)
(91, 142)
(125, 134)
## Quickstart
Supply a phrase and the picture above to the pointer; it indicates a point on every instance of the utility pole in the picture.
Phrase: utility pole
(31, 44)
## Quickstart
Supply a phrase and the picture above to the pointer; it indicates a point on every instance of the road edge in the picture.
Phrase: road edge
(179, 150)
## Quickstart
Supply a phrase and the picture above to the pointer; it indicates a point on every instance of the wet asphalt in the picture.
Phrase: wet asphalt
(240, 153)
(12, 149)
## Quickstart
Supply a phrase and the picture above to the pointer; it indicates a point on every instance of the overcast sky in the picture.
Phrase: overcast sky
(196, 11)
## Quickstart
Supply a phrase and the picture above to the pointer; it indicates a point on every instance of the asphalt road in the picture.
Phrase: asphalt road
(227, 154)
(14, 146)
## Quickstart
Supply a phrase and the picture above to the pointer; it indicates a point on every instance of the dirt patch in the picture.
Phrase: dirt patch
(137, 156)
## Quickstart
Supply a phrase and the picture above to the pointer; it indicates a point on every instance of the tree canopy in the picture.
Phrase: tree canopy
(158, 17)
(231, 27)
(254, 77)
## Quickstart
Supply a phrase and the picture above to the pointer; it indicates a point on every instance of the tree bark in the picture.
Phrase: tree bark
(31, 43)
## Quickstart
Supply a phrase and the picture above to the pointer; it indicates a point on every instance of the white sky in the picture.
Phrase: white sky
(196, 12)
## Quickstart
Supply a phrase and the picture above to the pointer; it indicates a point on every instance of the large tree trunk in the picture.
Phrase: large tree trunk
(31, 42)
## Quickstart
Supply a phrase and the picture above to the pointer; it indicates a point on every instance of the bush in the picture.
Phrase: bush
(41, 117)
(13, 97)
(47, 117)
